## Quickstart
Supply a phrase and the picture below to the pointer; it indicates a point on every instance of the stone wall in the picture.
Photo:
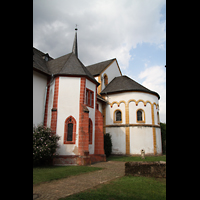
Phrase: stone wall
(148, 169)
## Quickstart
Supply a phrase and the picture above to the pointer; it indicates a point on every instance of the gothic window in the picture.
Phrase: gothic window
(70, 130)
(90, 131)
(117, 116)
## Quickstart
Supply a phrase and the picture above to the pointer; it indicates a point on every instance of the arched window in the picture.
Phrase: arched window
(140, 116)
(70, 130)
(105, 79)
(118, 116)
(158, 118)
(90, 131)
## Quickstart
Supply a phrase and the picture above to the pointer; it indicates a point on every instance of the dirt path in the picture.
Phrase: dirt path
(64, 187)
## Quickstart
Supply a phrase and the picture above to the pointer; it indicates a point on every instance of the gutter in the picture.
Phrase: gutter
(52, 78)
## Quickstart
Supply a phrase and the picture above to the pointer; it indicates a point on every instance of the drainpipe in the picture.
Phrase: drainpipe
(52, 77)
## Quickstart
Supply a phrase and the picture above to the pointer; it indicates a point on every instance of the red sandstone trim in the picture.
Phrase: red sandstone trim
(83, 140)
(99, 136)
(55, 106)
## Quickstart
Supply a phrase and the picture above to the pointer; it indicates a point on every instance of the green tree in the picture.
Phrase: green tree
(107, 144)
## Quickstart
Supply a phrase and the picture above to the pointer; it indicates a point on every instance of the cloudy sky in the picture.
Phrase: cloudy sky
(132, 31)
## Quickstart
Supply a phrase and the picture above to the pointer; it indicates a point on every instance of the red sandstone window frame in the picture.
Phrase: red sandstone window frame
(105, 77)
(89, 100)
(71, 120)
(90, 130)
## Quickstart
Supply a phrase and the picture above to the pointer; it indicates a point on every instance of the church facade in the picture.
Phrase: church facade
(82, 103)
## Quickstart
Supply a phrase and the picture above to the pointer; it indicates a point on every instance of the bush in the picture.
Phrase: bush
(107, 144)
(44, 145)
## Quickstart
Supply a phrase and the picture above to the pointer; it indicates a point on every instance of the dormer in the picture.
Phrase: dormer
(104, 72)
(46, 57)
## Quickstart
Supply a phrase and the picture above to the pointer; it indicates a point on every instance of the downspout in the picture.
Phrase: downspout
(52, 77)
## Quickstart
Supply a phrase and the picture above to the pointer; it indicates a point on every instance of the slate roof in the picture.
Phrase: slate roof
(101, 98)
(68, 64)
(123, 84)
(39, 63)
(97, 68)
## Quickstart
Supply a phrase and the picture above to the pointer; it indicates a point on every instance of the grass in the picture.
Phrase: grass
(127, 187)
(136, 158)
(44, 174)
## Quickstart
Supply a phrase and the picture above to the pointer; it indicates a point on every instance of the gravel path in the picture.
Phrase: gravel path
(64, 187)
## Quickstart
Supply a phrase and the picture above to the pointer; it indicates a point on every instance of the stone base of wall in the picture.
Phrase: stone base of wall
(98, 158)
(86, 159)
(148, 169)
(65, 160)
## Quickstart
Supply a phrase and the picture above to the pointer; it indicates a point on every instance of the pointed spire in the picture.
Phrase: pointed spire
(75, 45)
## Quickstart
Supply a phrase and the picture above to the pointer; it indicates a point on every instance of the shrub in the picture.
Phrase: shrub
(44, 145)
(107, 144)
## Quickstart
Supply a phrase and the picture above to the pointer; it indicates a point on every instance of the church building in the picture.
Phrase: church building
(82, 103)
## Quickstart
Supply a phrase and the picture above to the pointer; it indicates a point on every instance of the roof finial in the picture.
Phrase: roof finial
(75, 45)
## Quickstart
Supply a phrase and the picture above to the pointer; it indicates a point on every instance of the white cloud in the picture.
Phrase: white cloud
(107, 28)
(154, 78)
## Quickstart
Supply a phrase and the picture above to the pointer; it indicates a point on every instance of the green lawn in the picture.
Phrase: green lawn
(136, 158)
(127, 187)
(43, 174)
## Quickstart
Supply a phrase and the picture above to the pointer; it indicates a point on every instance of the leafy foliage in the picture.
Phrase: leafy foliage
(107, 144)
(44, 145)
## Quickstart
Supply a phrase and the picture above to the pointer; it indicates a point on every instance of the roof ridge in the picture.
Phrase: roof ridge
(65, 62)
(97, 68)
(125, 84)
(138, 83)
(60, 57)
(87, 71)
(101, 62)
(39, 63)
(41, 52)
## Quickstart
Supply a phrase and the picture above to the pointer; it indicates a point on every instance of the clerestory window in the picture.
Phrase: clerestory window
(117, 116)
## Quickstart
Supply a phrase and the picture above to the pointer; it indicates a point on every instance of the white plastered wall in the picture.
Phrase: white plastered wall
(68, 104)
(140, 137)
(112, 71)
(118, 138)
(100, 106)
(39, 87)
(126, 96)
(50, 103)
(158, 141)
